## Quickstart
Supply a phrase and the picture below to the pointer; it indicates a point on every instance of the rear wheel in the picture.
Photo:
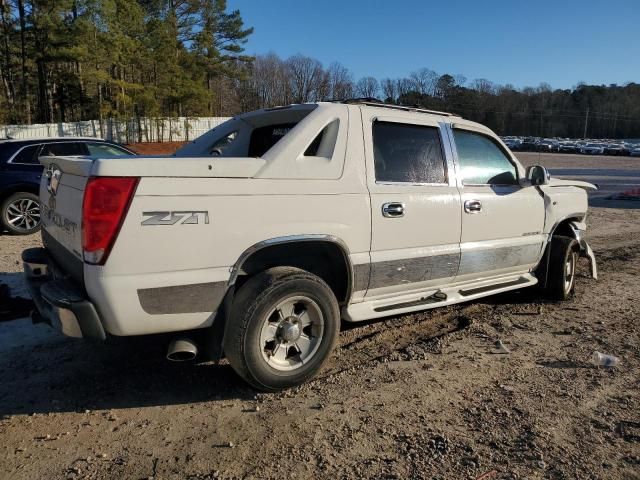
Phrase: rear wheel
(283, 325)
(562, 267)
(21, 213)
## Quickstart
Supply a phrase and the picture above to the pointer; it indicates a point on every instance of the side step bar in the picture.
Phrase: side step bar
(464, 292)
(475, 291)
(435, 298)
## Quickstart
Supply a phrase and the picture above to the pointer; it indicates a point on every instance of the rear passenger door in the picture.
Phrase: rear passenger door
(415, 204)
(502, 221)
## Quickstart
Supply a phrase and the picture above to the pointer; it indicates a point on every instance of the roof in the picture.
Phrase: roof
(374, 102)
(49, 139)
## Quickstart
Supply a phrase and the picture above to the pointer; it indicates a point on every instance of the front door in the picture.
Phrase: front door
(415, 204)
(502, 221)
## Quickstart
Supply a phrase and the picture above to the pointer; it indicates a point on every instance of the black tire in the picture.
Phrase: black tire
(20, 213)
(562, 268)
(254, 312)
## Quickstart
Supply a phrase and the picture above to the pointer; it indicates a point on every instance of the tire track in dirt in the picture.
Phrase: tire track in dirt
(371, 342)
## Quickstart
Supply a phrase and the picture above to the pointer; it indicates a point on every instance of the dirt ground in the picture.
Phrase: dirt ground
(416, 396)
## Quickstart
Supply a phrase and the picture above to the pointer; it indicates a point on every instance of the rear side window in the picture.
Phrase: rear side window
(407, 153)
(27, 155)
(97, 149)
(482, 161)
(263, 138)
(62, 149)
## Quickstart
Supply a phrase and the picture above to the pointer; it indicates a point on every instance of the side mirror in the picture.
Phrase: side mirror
(537, 175)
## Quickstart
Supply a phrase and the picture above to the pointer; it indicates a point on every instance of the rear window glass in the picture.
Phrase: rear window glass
(263, 138)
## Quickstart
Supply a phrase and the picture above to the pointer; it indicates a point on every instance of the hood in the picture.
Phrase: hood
(557, 182)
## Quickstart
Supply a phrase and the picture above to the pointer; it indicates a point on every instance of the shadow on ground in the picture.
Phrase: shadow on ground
(59, 374)
(603, 202)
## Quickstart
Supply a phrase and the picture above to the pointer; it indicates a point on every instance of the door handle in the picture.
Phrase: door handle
(393, 210)
(472, 206)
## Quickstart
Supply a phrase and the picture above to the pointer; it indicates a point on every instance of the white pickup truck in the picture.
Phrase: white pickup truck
(256, 239)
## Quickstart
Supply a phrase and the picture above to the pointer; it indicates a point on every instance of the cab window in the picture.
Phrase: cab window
(407, 153)
(482, 161)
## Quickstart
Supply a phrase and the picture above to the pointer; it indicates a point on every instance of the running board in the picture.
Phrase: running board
(435, 298)
(489, 288)
(407, 303)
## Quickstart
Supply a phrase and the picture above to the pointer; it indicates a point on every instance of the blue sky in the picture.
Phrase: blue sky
(519, 42)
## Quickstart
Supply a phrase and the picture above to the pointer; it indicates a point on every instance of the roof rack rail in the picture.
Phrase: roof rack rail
(375, 102)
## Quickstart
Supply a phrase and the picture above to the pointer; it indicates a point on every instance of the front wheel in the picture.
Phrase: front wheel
(562, 267)
(282, 328)
(20, 213)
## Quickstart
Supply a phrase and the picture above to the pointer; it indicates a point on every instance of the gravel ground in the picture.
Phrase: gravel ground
(417, 396)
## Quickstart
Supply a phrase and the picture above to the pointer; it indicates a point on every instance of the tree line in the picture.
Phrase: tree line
(69, 60)
(592, 111)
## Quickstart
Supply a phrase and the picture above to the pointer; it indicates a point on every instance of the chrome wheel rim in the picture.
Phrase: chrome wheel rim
(23, 214)
(569, 272)
(291, 333)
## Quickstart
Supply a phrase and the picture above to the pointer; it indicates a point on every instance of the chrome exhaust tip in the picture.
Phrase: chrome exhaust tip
(182, 349)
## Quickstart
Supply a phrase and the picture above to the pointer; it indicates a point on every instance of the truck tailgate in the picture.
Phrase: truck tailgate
(61, 194)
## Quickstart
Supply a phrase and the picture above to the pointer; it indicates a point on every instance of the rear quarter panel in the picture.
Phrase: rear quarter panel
(241, 213)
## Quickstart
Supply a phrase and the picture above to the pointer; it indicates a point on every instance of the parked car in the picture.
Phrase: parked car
(310, 214)
(615, 149)
(513, 143)
(547, 146)
(568, 147)
(592, 149)
(635, 151)
(530, 144)
(20, 173)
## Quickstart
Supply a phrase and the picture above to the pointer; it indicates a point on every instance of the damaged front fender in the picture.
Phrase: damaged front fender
(585, 248)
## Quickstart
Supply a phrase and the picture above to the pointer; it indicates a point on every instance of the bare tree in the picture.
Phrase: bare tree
(482, 85)
(305, 77)
(403, 86)
(340, 81)
(460, 79)
(367, 87)
(269, 81)
(424, 81)
(389, 89)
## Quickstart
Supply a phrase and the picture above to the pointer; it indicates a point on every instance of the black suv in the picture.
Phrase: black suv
(20, 174)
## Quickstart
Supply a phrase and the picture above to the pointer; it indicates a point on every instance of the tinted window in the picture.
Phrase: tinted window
(407, 153)
(482, 161)
(263, 138)
(223, 143)
(27, 155)
(98, 149)
(61, 149)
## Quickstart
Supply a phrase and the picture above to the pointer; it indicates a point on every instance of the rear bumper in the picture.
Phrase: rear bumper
(60, 302)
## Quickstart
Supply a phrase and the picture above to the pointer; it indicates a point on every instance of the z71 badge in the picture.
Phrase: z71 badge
(173, 218)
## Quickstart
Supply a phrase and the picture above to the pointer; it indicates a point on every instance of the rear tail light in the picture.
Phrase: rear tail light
(106, 201)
